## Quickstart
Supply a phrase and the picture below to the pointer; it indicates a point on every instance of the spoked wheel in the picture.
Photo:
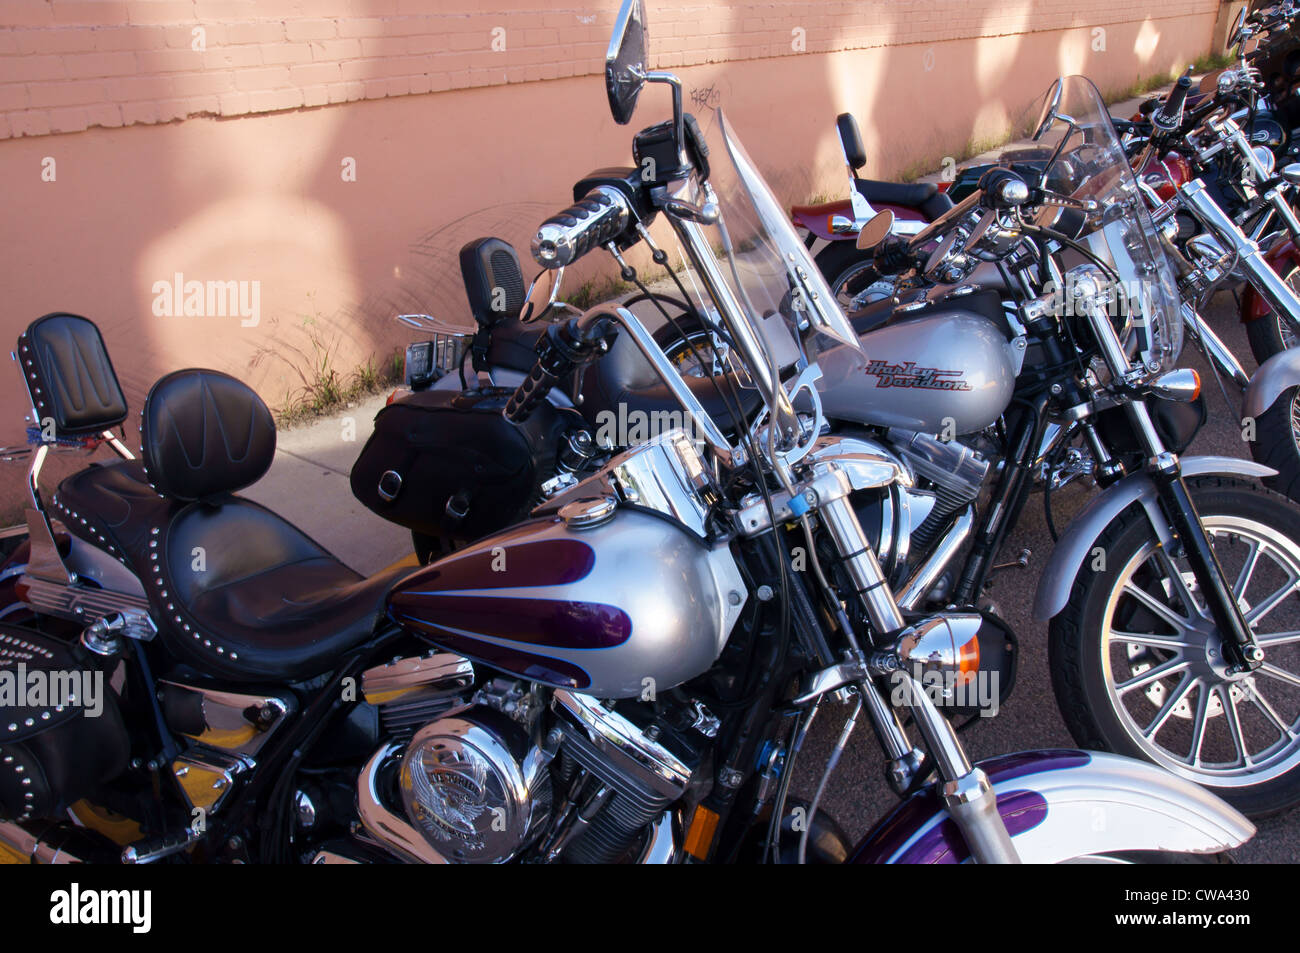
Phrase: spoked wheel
(1138, 665)
(687, 353)
(1273, 333)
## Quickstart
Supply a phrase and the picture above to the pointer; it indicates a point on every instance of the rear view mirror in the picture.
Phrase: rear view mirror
(625, 61)
(1235, 34)
(876, 230)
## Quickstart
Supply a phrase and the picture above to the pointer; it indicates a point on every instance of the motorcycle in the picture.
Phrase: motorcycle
(989, 412)
(629, 676)
(832, 228)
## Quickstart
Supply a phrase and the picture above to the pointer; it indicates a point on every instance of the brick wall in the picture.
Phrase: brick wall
(67, 65)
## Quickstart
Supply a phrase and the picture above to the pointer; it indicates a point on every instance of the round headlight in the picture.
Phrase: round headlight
(474, 786)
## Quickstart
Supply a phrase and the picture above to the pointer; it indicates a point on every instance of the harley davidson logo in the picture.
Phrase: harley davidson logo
(909, 375)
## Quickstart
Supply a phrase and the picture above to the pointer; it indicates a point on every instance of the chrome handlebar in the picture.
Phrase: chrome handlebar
(601, 216)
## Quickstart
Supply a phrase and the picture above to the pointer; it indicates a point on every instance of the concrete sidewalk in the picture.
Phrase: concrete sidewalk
(308, 485)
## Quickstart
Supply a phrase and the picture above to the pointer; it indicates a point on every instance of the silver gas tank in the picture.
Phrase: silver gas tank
(950, 371)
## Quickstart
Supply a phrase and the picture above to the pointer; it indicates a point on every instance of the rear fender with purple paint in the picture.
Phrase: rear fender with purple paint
(1062, 805)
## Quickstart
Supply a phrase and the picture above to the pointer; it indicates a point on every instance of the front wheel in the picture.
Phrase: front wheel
(1137, 664)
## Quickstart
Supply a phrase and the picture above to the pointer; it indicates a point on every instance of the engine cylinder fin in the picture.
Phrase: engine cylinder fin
(624, 816)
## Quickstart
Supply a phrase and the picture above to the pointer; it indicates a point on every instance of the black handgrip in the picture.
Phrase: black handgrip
(894, 256)
(1170, 116)
(562, 350)
(601, 216)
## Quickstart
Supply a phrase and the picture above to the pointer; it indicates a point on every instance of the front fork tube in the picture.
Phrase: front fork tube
(1214, 348)
(1267, 282)
(1238, 639)
(966, 791)
(1166, 472)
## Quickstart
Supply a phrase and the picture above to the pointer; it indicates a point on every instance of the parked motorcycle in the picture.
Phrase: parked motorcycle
(990, 408)
(832, 228)
(628, 676)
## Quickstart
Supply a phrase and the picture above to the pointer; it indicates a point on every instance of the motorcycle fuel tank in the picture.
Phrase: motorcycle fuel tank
(949, 369)
(631, 605)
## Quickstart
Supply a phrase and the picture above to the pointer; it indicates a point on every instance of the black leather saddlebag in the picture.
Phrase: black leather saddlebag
(447, 464)
(61, 732)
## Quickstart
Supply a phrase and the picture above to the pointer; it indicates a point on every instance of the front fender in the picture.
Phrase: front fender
(1077, 541)
(1059, 805)
(1279, 373)
(1283, 257)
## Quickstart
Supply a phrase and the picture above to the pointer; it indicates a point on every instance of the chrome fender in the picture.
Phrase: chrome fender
(1059, 805)
(1276, 375)
(1077, 541)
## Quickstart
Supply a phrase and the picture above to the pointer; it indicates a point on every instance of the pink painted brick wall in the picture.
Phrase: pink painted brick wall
(67, 65)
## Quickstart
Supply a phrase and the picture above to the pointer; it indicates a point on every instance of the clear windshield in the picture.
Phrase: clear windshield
(1119, 232)
(763, 260)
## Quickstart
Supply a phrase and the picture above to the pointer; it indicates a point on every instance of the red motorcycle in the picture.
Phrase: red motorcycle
(830, 230)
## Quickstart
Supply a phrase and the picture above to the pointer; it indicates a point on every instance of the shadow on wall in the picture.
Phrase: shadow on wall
(220, 242)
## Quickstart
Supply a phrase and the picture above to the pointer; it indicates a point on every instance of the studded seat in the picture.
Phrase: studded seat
(240, 591)
(236, 590)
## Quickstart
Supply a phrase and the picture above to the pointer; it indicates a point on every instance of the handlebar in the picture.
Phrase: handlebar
(562, 350)
(1169, 116)
(600, 216)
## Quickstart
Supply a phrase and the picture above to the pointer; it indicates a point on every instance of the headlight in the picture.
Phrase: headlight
(474, 786)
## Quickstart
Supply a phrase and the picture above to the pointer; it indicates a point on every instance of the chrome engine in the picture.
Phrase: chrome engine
(914, 529)
(499, 774)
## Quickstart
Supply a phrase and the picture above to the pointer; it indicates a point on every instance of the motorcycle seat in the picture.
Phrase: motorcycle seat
(924, 196)
(236, 590)
(514, 345)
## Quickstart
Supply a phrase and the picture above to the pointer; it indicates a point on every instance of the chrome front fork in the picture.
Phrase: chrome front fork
(965, 789)
(1267, 282)
(1214, 348)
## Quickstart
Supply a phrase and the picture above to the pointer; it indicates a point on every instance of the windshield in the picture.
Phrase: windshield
(1119, 232)
(764, 262)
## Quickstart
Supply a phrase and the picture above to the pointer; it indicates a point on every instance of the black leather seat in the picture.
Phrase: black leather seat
(112, 506)
(236, 590)
(514, 345)
(924, 196)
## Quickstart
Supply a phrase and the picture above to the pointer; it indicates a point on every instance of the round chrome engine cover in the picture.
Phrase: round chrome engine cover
(474, 786)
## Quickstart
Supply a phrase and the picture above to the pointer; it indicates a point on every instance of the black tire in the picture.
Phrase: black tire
(847, 270)
(680, 350)
(1080, 660)
(1277, 443)
(1266, 334)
